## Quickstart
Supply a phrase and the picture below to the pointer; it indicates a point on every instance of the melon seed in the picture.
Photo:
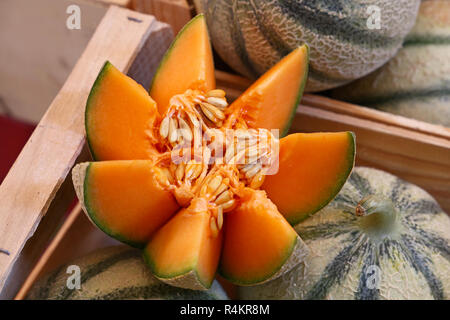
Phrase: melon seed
(257, 180)
(213, 227)
(217, 93)
(228, 206)
(179, 172)
(173, 126)
(215, 111)
(214, 184)
(208, 114)
(185, 130)
(217, 102)
(220, 217)
(164, 128)
(223, 197)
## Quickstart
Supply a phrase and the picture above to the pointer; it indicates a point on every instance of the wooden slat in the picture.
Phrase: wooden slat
(43, 165)
(120, 3)
(174, 12)
(413, 150)
(235, 85)
(341, 107)
(76, 238)
(416, 157)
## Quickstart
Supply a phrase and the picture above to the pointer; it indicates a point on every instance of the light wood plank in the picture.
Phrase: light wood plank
(413, 150)
(76, 238)
(234, 85)
(174, 12)
(416, 157)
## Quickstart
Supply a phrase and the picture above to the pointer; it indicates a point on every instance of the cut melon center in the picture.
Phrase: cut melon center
(210, 153)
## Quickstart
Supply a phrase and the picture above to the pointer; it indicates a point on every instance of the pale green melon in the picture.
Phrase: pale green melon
(416, 82)
(115, 273)
(399, 250)
(251, 36)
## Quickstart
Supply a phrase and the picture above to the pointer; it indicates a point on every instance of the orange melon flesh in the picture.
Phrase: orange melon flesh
(257, 240)
(271, 101)
(124, 199)
(312, 169)
(187, 64)
(120, 116)
(185, 245)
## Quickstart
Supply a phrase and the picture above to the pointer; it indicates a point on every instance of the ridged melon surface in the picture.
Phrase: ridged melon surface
(416, 82)
(115, 273)
(402, 255)
(251, 36)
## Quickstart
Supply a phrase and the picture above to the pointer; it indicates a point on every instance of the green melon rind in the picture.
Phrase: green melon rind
(80, 177)
(187, 278)
(116, 272)
(299, 217)
(416, 271)
(97, 83)
(294, 255)
(173, 45)
(300, 91)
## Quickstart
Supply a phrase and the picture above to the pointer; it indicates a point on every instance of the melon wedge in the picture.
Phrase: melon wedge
(123, 198)
(259, 244)
(119, 117)
(187, 64)
(271, 101)
(183, 252)
(313, 167)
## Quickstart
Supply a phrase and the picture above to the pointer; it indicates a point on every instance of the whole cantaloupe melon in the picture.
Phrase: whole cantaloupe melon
(343, 35)
(114, 273)
(416, 82)
(381, 238)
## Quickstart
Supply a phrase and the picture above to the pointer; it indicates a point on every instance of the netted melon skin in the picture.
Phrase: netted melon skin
(416, 82)
(115, 273)
(251, 36)
(413, 262)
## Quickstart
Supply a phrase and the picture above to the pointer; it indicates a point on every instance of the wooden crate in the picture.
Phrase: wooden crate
(37, 185)
(413, 150)
(174, 12)
(36, 191)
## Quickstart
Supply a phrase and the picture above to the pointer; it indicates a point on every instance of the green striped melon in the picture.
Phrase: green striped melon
(251, 36)
(114, 273)
(394, 245)
(416, 82)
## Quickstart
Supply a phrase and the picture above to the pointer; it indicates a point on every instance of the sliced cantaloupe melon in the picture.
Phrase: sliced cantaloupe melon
(120, 118)
(259, 244)
(135, 201)
(184, 251)
(124, 198)
(313, 167)
(187, 64)
(271, 101)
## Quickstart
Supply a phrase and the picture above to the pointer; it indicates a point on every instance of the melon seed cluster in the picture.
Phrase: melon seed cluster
(210, 157)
